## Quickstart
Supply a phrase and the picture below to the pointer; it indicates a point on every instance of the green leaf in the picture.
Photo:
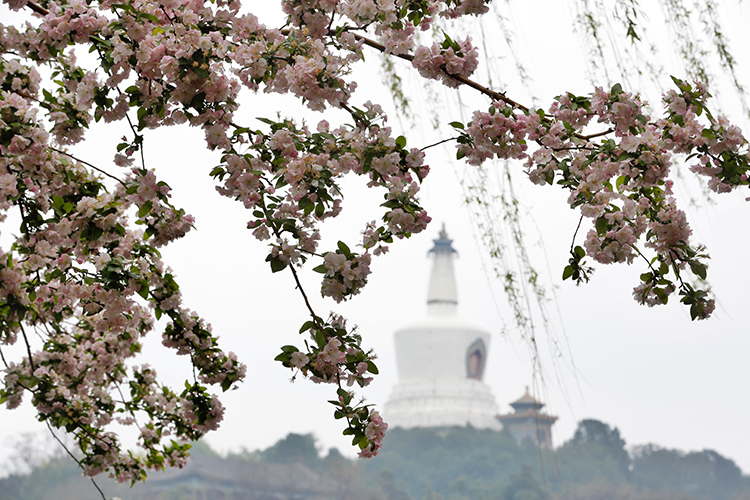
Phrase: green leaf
(568, 272)
(306, 205)
(320, 338)
(401, 142)
(277, 264)
(698, 269)
(457, 125)
(601, 226)
(662, 295)
(142, 112)
(344, 249)
(226, 384)
(144, 209)
(694, 311)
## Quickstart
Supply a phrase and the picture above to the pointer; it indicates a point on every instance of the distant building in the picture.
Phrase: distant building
(528, 421)
(441, 360)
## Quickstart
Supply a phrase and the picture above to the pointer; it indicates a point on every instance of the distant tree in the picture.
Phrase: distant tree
(700, 474)
(523, 486)
(595, 452)
(456, 462)
(602, 490)
(202, 448)
(390, 488)
(293, 449)
(10, 487)
(657, 468)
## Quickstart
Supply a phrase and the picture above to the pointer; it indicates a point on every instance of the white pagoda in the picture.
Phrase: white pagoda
(441, 360)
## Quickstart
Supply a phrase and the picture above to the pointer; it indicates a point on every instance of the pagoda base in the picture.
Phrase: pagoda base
(442, 403)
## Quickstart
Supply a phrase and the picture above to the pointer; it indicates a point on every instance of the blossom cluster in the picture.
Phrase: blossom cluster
(620, 181)
(335, 356)
(289, 179)
(446, 61)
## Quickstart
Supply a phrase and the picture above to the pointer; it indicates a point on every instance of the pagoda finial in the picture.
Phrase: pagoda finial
(443, 244)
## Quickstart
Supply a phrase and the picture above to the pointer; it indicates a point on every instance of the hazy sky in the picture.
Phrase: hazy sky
(653, 373)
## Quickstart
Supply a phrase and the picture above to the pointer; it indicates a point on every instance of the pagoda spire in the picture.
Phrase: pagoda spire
(442, 298)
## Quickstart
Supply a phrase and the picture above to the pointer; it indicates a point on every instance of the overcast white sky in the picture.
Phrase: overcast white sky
(653, 373)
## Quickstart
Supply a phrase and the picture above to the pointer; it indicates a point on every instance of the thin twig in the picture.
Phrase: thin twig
(439, 143)
(302, 291)
(576, 234)
(2, 356)
(104, 497)
(28, 349)
(598, 134)
(86, 163)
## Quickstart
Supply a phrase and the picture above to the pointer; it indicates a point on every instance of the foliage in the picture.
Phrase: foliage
(594, 463)
(702, 474)
(84, 273)
(467, 462)
(523, 486)
(423, 464)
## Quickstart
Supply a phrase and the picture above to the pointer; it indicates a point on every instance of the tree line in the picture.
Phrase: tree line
(458, 463)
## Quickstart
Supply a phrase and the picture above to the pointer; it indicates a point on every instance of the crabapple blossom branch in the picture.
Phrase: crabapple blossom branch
(86, 270)
(497, 96)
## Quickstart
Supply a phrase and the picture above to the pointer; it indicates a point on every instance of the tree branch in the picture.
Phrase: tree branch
(37, 8)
